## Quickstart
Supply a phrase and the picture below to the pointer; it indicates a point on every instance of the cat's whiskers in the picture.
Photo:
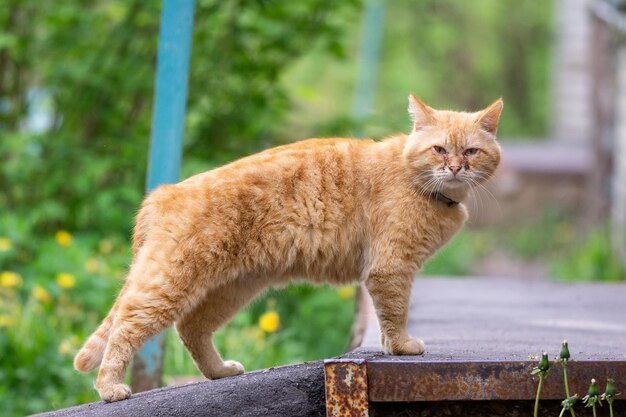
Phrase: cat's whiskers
(483, 177)
(481, 189)
(419, 179)
(439, 186)
(427, 189)
(477, 200)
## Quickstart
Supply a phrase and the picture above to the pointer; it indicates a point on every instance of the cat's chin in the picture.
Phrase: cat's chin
(455, 189)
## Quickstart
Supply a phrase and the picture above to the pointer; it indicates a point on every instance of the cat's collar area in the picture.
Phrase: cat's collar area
(443, 199)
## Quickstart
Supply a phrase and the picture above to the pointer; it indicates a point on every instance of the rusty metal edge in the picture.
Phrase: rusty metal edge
(346, 387)
(459, 381)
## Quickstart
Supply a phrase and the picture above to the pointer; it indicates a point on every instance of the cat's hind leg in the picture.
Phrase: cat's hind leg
(146, 308)
(196, 328)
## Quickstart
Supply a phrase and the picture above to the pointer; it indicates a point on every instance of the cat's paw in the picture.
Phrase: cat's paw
(410, 346)
(228, 368)
(115, 392)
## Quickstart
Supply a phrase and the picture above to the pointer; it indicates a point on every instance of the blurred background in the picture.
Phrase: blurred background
(76, 96)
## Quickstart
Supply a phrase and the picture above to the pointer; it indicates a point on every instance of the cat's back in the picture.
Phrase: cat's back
(308, 179)
(285, 159)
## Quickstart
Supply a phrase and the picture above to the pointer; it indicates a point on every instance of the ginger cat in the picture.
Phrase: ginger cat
(324, 210)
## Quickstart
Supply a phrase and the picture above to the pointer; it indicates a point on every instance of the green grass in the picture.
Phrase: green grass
(591, 259)
(51, 297)
(460, 254)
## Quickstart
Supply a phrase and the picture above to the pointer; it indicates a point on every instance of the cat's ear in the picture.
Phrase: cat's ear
(489, 117)
(420, 113)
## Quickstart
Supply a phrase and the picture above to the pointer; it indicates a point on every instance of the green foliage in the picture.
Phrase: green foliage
(541, 237)
(459, 255)
(101, 96)
(63, 286)
(553, 238)
(593, 259)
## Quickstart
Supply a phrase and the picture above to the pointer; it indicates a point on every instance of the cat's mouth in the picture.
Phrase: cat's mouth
(450, 179)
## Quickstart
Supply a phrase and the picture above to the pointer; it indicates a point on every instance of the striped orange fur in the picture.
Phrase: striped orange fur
(323, 210)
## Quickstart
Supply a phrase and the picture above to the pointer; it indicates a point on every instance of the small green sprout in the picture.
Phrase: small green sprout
(593, 397)
(609, 394)
(542, 370)
(543, 367)
(564, 353)
(563, 358)
(568, 404)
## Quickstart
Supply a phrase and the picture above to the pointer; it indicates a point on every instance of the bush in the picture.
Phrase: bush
(592, 260)
(53, 290)
(460, 255)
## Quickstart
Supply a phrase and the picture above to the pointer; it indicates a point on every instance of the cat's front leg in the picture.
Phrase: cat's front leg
(390, 293)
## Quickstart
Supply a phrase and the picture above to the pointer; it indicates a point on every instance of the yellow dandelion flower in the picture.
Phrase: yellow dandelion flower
(347, 292)
(66, 280)
(92, 266)
(10, 279)
(5, 244)
(105, 246)
(40, 294)
(63, 238)
(6, 320)
(269, 321)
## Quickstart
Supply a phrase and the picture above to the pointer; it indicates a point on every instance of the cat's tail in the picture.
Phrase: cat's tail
(90, 355)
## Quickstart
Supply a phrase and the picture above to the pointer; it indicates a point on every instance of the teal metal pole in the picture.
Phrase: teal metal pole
(166, 144)
(372, 28)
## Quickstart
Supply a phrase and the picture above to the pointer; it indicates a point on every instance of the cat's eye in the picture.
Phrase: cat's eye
(470, 151)
(440, 150)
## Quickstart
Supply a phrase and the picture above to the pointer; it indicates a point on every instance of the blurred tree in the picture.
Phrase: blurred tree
(466, 55)
(453, 54)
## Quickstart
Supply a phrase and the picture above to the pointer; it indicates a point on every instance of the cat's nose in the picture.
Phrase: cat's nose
(454, 169)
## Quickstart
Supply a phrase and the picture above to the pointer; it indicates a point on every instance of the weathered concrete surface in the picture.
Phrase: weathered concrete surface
(296, 390)
(482, 335)
(498, 319)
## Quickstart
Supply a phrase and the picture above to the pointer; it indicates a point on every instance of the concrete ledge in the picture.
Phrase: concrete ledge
(296, 390)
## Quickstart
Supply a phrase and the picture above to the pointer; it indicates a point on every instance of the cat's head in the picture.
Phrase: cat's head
(451, 152)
